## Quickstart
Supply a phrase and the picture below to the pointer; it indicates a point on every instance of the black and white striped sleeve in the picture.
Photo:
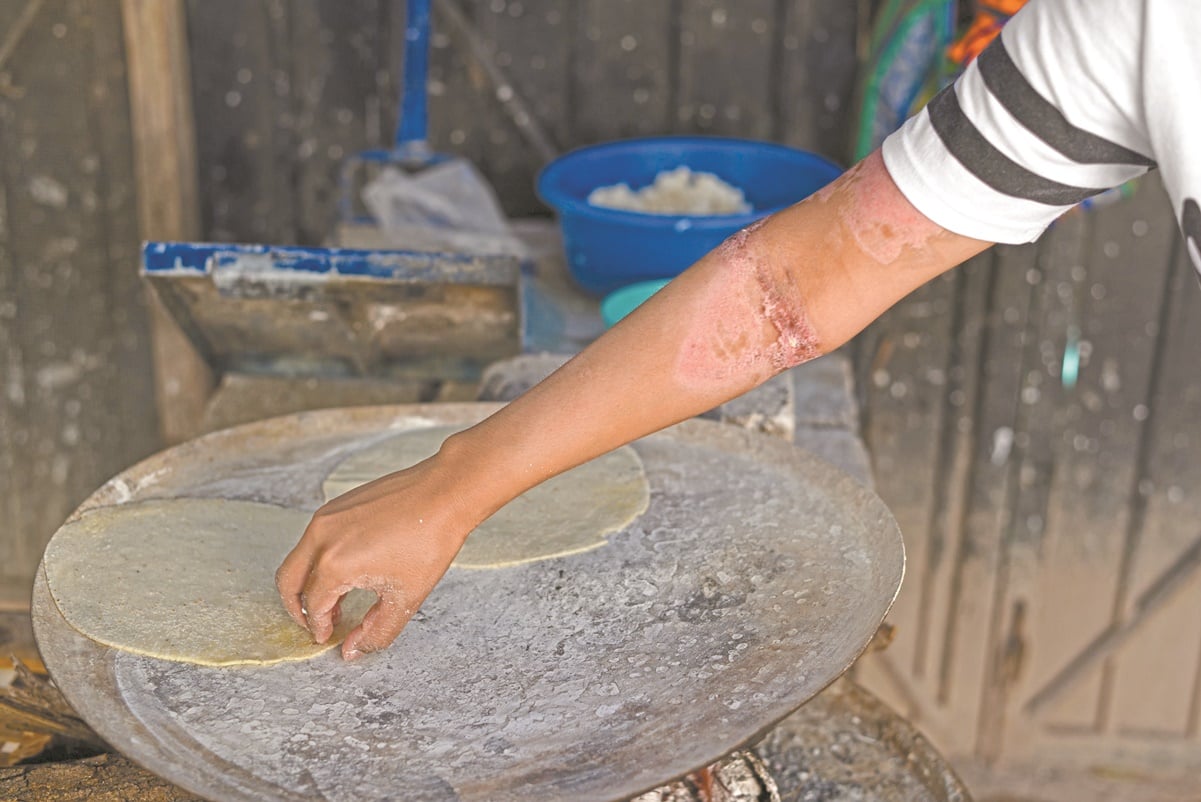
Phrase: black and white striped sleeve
(1047, 116)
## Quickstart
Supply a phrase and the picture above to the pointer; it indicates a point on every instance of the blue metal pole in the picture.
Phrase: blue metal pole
(411, 134)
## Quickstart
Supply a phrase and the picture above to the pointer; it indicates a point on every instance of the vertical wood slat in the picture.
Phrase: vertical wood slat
(818, 66)
(51, 203)
(953, 386)
(462, 118)
(163, 132)
(13, 432)
(1096, 453)
(241, 91)
(532, 47)
(1156, 672)
(66, 190)
(1014, 603)
(953, 475)
(989, 491)
(37, 193)
(906, 353)
(725, 69)
(335, 53)
(1139, 238)
(630, 95)
(131, 367)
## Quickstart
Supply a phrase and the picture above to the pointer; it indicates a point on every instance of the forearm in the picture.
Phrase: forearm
(769, 298)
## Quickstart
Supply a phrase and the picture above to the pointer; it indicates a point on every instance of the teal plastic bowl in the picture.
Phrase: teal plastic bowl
(620, 303)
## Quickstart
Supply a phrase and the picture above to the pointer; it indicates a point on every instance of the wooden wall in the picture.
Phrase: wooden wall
(76, 392)
(285, 91)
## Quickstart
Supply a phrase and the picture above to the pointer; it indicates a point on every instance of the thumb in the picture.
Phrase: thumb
(379, 627)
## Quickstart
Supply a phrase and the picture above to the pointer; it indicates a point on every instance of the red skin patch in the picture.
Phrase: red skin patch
(870, 214)
(854, 250)
(750, 324)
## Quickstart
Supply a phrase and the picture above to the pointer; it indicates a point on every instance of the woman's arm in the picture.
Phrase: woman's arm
(782, 292)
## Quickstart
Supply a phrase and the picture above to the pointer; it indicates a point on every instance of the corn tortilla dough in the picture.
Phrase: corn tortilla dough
(569, 514)
(190, 580)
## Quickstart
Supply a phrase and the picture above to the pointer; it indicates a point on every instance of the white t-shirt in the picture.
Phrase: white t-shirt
(1074, 97)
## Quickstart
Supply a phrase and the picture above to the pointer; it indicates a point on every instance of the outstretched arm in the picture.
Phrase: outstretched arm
(784, 291)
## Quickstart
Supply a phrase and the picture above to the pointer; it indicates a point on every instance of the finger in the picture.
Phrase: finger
(289, 581)
(383, 622)
(320, 601)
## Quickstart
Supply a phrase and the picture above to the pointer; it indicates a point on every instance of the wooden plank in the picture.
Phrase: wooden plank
(1146, 236)
(906, 355)
(1002, 727)
(1118, 291)
(63, 331)
(246, 148)
(90, 428)
(940, 446)
(462, 118)
(165, 165)
(533, 49)
(42, 200)
(953, 383)
(817, 76)
(725, 68)
(336, 53)
(1157, 670)
(12, 375)
(161, 114)
(625, 55)
(130, 369)
(991, 487)
(956, 454)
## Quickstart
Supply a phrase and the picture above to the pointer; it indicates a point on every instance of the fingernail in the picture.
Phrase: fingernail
(353, 654)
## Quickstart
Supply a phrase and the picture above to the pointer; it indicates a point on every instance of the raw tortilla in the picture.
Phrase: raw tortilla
(190, 580)
(569, 514)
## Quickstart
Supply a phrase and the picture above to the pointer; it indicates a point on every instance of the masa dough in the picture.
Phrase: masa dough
(190, 580)
(568, 514)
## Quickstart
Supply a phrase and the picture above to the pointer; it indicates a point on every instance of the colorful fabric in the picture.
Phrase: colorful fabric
(1074, 97)
(907, 66)
(991, 16)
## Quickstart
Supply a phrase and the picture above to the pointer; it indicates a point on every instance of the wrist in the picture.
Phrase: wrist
(473, 475)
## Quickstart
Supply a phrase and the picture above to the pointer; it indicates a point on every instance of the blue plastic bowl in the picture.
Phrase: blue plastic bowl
(610, 248)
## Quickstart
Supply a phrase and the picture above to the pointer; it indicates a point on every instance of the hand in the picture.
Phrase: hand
(395, 536)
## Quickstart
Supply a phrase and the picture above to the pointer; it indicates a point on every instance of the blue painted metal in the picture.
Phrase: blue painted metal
(412, 131)
(328, 312)
(205, 258)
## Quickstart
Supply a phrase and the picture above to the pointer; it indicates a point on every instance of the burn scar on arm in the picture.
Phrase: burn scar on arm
(873, 216)
(751, 322)
(802, 282)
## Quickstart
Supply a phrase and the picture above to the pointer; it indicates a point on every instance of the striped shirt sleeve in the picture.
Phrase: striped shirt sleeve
(1046, 117)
